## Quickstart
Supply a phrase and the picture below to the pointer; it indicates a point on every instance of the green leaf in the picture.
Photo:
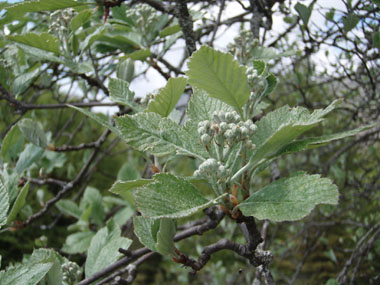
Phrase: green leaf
(330, 14)
(120, 93)
(9, 179)
(376, 39)
(270, 85)
(79, 67)
(43, 41)
(19, 203)
(4, 203)
(78, 242)
(146, 231)
(349, 22)
(128, 171)
(124, 188)
(40, 55)
(21, 8)
(12, 144)
(155, 234)
(160, 136)
(54, 275)
(260, 65)
(91, 38)
(290, 199)
(165, 242)
(282, 126)
(80, 19)
(308, 143)
(169, 197)
(23, 81)
(171, 30)
(93, 197)
(33, 132)
(304, 12)
(202, 107)
(125, 70)
(165, 101)
(32, 271)
(69, 208)
(99, 118)
(140, 54)
(104, 248)
(219, 75)
(30, 154)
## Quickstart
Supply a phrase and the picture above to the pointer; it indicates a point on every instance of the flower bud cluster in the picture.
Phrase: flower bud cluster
(226, 127)
(252, 75)
(60, 20)
(71, 273)
(211, 167)
(143, 16)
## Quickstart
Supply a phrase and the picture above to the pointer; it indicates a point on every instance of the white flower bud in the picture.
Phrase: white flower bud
(223, 127)
(201, 130)
(244, 131)
(253, 128)
(228, 134)
(206, 139)
(229, 117)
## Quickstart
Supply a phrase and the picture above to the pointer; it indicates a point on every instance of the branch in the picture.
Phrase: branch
(186, 23)
(69, 185)
(215, 216)
(256, 258)
(26, 106)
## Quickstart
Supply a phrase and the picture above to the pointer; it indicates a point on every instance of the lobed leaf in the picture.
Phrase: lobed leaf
(290, 199)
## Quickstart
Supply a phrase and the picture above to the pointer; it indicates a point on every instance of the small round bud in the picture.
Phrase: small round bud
(228, 134)
(216, 117)
(206, 139)
(229, 117)
(223, 127)
(253, 128)
(244, 131)
(201, 130)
